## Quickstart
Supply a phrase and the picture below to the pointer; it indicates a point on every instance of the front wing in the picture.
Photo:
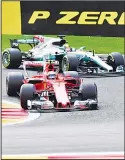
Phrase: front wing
(43, 106)
(105, 68)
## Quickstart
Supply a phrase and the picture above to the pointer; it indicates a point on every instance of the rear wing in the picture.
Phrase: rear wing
(41, 66)
(14, 43)
(61, 36)
(31, 41)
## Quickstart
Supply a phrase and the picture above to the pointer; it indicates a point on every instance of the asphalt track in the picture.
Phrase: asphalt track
(86, 131)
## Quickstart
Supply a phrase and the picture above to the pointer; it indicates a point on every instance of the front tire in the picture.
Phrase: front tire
(27, 92)
(12, 58)
(115, 59)
(14, 80)
(70, 63)
(89, 91)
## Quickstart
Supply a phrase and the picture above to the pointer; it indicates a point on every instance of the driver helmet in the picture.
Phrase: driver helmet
(51, 75)
(67, 47)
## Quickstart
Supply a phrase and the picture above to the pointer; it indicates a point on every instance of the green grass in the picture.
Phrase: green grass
(99, 44)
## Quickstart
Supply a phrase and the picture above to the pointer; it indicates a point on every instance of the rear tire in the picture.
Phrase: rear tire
(14, 80)
(27, 92)
(70, 63)
(73, 74)
(89, 91)
(12, 58)
(115, 59)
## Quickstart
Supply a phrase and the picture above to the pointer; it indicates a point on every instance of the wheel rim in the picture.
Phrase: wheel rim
(111, 62)
(110, 59)
(6, 59)
(65, 65)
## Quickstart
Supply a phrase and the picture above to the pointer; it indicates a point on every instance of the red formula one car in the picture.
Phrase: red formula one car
(50, 89)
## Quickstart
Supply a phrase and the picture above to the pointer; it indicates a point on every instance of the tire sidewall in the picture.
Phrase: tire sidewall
(14, 82)
(90, 89)
(116, 59)
(27, 92)
(14, 58)
(72, 62)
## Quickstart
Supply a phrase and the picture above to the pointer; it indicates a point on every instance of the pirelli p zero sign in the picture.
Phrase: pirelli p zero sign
(89, 18)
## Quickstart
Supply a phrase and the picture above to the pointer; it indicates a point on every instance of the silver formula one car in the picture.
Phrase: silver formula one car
(89, 62)
(70, 59)
(42, 49)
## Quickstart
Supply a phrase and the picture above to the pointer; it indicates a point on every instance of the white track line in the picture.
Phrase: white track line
(31, 116)
(121, 153)
(8, 102)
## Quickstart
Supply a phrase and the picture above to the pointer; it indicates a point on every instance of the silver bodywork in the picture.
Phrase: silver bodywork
(47, 48)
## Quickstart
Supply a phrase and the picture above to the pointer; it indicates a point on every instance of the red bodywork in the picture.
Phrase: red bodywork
(59, 86)
(39, 38)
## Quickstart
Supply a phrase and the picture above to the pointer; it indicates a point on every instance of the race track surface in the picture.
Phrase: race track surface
(85, 131)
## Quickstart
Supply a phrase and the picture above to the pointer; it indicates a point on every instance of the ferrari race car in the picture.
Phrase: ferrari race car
(70, 59)
(50, 90)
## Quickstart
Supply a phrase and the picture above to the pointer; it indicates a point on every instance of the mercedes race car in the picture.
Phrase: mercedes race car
(42, 49)
(70, 59)
(50, 90)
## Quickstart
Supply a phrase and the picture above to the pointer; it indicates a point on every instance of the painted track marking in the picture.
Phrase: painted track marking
(86, 155)
(13, 114)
